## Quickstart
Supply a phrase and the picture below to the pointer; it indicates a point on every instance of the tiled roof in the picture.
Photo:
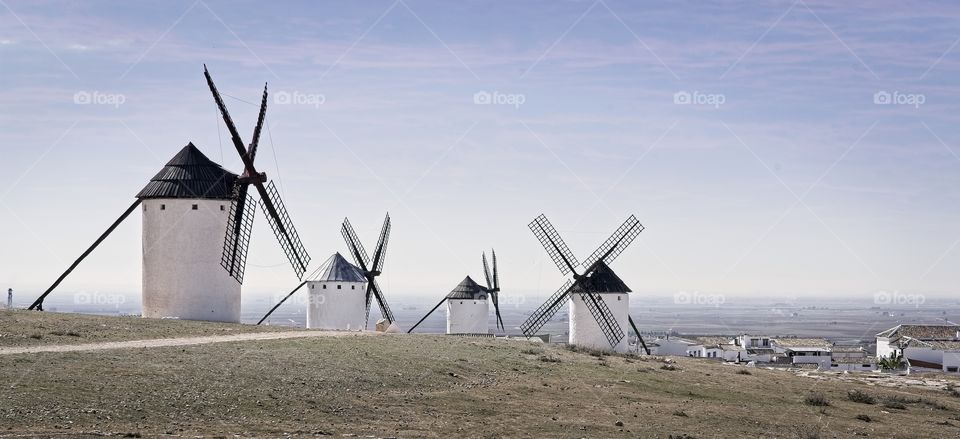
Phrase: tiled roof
(712, 341)
(468, 289)
(802, 343)
(190, 174)
(337, 269)
(846, 349)
(855, 360)
(940, 345)
(922, 332)
(604, 280)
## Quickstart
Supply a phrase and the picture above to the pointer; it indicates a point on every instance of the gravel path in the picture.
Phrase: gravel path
(183, 341)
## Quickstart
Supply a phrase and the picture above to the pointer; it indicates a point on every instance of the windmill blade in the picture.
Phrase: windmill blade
(496, 276)
(428, 315)
(38, 304)
(496, 308)
(281, 302)
(380, 252)
(354, 245)
(486, 273)
(234, 134)
(283, 228)
(239, 228)
(551, 241)
(384, 308)
(601, 313)
(369, 296)
(616, 243)
(255, 141)
(546, 311)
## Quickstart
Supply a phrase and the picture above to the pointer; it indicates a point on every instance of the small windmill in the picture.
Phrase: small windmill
(368, 269)
(592, 293)
(240, 225)
(467, 307)
(371, 269)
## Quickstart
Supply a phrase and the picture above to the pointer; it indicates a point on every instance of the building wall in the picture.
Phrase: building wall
(468, 316)
(182, 248)
(585, 330)
(951, 359)
(343, 308)
(883, 348)
(923, 354)
(671, 347)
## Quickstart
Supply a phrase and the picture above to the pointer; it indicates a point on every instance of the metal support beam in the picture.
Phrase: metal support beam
(639, 337)
(281, 302)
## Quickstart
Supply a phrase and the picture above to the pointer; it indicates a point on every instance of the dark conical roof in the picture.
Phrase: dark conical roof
(337, 269)
(467, 289)
(190, 174)
(604, 280)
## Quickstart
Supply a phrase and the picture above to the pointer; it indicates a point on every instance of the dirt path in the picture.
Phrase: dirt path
(182, 341)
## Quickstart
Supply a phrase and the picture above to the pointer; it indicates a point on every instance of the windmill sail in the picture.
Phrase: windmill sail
(285, 232)
(237, 239)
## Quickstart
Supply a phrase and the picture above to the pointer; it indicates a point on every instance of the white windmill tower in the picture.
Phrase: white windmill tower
(191, 268)
(468, 305)
(336, 297)
(599, 300)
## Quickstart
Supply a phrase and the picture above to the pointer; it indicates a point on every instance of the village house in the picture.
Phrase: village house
(802, 351)
(851, 358)
(924, 348)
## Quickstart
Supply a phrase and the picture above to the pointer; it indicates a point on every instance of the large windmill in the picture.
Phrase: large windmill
(468, 310)
(599, 300)
(191, 269)
(340, 311)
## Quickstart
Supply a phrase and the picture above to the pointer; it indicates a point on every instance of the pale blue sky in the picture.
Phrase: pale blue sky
(798, 183)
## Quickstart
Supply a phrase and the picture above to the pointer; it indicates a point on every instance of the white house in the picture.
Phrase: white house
(671, 346)
(803, 351)
(924, 348)
(851, 358)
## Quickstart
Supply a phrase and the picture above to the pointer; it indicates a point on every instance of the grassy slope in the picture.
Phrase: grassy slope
(432, 386)
(30, 328)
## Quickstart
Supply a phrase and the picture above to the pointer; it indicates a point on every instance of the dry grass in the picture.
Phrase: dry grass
(427, 386)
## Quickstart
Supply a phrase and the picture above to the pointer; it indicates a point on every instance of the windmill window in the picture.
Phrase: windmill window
(163, 207)
(222, 208)
(324, 286)
(311, 287)
(618, 298)
(339, 286)
(353, 287)
(196, 206)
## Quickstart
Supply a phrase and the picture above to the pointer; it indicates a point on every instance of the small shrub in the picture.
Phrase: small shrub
(898, 402)
(589, 351)
(890, 404)
(531, 351)
(816, 399)
(864, 418)
(73, 334)
(934, 404)
(743, 372)
(861, 397)
(58, 333)
(36, 336)
(548, 359)
(669, 367)
(953, 390)
(681, 414)
(806, 431)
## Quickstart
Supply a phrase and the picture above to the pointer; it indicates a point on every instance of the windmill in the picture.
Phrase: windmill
(592, 293)
(467, 307)
(340, 312)
(191, 269)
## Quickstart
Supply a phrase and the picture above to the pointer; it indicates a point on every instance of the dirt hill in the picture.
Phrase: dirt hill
(400, 385)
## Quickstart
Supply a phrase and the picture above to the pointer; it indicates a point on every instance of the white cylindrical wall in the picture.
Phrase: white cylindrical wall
(467, 316)
(336, 305)
(584, 329)
(182, 248)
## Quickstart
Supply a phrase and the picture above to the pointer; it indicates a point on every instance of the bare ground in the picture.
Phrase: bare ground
(435, 386)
